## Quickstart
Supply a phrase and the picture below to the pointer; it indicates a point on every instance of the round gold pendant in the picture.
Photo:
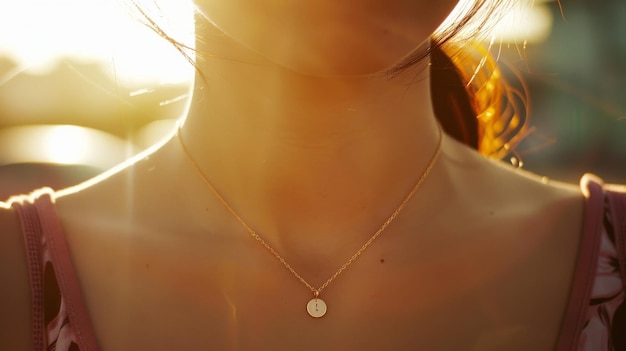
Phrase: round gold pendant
(316, 307)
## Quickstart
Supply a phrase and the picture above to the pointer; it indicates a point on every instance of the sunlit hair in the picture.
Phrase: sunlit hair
(471, 99)
(475, 104)
(501, 110)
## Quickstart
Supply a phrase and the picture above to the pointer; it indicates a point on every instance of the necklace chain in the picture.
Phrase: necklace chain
(315, 291)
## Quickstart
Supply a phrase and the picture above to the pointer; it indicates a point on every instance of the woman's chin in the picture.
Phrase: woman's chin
(342, 61)
(339, 50)
(337, 69)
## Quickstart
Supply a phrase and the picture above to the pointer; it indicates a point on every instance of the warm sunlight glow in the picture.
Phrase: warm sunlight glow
(39, 33)
(525, 24)
(529, 21)
(66, 145)
(61, 144)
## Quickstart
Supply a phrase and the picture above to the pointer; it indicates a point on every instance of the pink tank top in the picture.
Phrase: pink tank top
(595, 319)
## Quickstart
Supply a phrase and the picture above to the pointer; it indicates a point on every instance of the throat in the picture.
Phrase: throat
(313, 165)
(318, 210)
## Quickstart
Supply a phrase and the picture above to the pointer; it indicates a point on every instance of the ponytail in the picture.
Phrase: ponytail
(473, 102)
(452, 102)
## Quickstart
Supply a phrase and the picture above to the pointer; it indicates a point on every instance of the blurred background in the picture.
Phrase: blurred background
(81, 90)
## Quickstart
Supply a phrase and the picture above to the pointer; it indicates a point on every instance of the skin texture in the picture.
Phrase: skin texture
(314, 149)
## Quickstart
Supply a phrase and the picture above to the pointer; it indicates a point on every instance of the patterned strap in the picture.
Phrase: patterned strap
(617, 202)
(33, 236)
(71, 292)
(69, 327)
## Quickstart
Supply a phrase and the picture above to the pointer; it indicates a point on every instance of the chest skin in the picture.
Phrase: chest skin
(490, 289)
(484, 263)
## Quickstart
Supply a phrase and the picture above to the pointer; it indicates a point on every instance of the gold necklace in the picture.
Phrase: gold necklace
(316, 307)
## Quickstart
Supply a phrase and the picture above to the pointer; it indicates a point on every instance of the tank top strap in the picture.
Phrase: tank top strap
(33, 240)
(48, 253)
(586, 262)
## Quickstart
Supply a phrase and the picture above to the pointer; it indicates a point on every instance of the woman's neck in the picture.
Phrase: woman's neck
(310, 155)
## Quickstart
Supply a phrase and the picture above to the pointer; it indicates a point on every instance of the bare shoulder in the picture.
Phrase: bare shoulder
(15, 323)
(525, 208)
(522, 224)
(506, 187)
